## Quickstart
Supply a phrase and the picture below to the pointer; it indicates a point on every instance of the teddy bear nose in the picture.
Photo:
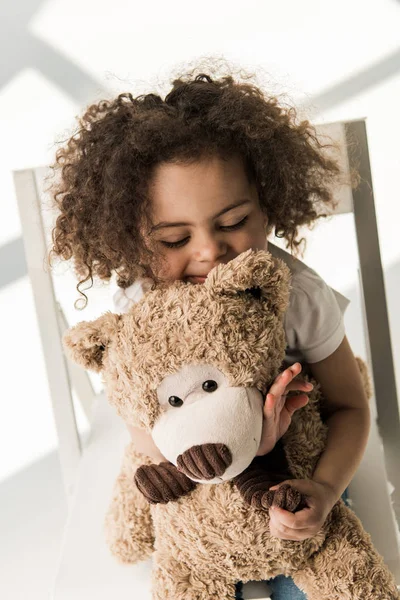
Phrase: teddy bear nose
(205, 461)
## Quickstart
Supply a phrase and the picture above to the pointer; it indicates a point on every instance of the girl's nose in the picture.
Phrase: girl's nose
(209, 248)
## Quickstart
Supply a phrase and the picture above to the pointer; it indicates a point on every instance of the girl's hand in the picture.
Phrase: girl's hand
(306, 523)
(278, 409)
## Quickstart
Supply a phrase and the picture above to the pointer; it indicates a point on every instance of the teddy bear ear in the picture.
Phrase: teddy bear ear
(256, 272)
(86, 342)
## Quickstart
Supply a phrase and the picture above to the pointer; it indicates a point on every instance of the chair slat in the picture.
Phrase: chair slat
(46, 310)
(79, 378)
(376, 314)
(334, 133)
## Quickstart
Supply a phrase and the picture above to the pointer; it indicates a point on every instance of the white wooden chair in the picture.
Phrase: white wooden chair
(86, 568)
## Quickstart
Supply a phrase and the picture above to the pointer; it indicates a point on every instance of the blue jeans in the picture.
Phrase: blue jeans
(284, 588)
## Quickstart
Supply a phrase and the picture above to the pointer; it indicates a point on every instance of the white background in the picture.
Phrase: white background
(335, 60)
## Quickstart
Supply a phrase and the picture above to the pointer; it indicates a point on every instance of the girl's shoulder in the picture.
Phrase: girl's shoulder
(313, 322)
(307, 286)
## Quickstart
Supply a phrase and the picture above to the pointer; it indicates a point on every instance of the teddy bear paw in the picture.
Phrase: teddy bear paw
(286, 497)
(262, 499)
(162, 483)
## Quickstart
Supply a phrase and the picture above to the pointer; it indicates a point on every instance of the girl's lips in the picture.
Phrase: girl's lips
(196, 279)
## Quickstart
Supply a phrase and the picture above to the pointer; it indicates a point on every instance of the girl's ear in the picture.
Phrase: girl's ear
(86, 342)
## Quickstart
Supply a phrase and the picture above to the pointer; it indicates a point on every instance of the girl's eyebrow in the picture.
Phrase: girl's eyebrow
(224, 210)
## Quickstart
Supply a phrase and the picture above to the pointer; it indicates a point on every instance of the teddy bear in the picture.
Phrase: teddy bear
(190, 364)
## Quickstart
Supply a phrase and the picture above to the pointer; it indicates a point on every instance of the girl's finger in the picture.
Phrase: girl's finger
(295, 369)
(273, 405)
(285, 530)
(299, 385)
(304, 519)
(292, 371)
(270, 403)
(280, 383)
(299, 537)
(293, 403)
(283, 382)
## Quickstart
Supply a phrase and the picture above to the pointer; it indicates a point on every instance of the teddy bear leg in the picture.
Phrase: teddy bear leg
(174, 580)
(347, 566)
(128, 525)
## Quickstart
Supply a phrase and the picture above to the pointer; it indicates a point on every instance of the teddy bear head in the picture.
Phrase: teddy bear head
(190, 363)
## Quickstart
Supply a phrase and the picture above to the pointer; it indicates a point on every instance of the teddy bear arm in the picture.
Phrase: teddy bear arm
(162, 483)
(264, 472)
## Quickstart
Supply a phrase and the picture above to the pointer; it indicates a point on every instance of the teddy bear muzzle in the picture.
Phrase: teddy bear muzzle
(205, 461)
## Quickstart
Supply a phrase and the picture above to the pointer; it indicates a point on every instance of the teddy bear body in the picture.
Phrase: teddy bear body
(248, 552)
(235, 544)
(189, 364)
(219, 508)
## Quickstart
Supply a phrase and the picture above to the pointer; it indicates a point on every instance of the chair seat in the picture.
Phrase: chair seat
(86, 567)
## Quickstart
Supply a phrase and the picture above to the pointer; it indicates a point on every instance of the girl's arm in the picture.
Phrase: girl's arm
(160, 482)
(143, 443)
(348, 419)
(347, 416)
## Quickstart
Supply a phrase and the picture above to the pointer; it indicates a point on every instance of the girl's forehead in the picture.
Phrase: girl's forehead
(204, 185)
(216, 169)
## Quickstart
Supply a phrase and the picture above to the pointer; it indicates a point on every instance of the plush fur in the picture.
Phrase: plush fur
(230, 328)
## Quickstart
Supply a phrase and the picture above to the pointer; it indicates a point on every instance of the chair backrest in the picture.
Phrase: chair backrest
(63, 376)
(361, 203)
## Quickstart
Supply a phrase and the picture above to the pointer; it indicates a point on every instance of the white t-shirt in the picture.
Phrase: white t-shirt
(313, 321)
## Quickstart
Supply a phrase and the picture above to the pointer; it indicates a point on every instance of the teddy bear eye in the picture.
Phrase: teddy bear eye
(254, 291)
(175, 401)
(210, 385)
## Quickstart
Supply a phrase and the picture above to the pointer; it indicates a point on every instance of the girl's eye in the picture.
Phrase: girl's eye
(226, 228)
(236, 226)
(175, 244)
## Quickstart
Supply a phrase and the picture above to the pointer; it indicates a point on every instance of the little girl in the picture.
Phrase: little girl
(158, 190)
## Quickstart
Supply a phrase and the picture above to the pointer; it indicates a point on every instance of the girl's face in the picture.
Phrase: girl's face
(203, 214)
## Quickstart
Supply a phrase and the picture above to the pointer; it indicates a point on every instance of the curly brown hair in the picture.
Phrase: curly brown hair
(106, 167)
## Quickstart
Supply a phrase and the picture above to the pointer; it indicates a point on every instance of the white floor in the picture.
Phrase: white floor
(32, 516)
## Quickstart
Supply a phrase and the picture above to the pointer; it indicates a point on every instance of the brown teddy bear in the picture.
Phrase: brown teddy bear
(190, 364)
